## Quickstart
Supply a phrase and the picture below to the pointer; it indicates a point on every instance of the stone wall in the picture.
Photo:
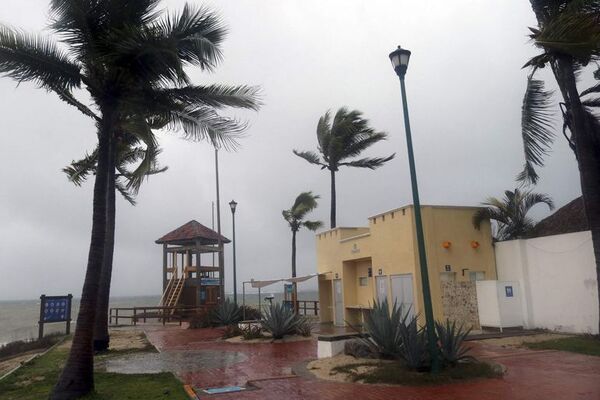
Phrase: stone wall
(459, 301)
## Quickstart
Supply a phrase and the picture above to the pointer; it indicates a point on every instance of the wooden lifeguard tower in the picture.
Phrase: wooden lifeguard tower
(188, 280)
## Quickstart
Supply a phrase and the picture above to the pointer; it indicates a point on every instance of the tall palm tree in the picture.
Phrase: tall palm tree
(295, 217)
(127, 182)
(568, 35)
(131, 59)
(510, 213)
(346, 137)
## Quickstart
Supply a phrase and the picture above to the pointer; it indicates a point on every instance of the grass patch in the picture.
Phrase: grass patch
(36, 379)
(588, 344)
(397, 374)
(24, 346)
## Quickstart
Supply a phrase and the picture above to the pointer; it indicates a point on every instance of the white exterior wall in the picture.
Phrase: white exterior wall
(557, 276)
(495, 308)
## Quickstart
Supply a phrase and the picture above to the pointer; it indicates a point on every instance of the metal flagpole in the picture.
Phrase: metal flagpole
(219, 241)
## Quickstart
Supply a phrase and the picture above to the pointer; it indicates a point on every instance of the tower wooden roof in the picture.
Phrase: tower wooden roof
(190, 232)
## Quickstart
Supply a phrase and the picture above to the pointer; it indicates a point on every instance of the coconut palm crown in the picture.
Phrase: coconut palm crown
(510, 213)
(339, 141)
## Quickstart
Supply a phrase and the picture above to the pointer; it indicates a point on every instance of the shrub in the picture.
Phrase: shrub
(360, 349)
(451, 342)
(22, 346)
(198, 321)
(231, 331)
(249, 313)
(226, 313)
(414, 344)
(304, 327)
(252, 332)
(383, 327)
(280, 321)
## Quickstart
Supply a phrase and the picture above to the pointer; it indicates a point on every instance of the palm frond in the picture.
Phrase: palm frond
(309, 156)
(78, 171)
(217, 96)
(26, 57)
(371, 163)
(312, 225)
(127, 195)
(536, 125)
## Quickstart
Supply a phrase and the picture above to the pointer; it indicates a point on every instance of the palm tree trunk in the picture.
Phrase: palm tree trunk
(294, 288)
(333, 200)
(77, 377)
(101, 337)
(587, 151)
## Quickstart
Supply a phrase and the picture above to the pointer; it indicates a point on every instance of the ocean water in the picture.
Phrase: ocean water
(19, 319)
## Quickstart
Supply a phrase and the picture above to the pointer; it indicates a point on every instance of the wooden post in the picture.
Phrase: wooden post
(117, 317)
(165, 261)
(69, 313)
(134, 315)
(41, 320)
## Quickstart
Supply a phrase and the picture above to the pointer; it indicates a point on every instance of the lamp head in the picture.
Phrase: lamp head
(399, 59)
(233, 205)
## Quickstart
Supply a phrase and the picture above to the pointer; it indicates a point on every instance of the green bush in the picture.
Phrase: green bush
(280, 321)
(304, 327)
(414, 344)
(451, 342)
(358, 348)
(227, 313)
(383, 327)
(249, 313)
(202, 320)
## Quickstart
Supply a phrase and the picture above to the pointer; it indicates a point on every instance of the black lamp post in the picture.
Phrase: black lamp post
(399, 58)
(233, 205)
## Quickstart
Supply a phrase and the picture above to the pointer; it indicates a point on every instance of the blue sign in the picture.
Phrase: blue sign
(56, 309)
(209, 282)
(509, 291)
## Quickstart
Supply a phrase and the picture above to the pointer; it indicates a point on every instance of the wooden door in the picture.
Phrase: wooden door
(212, 295)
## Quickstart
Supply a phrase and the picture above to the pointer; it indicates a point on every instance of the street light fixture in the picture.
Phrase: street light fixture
(233, 205)
(399, 59)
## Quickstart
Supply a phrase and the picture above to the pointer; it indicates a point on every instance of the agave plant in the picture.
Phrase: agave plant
(226, 313)
(383, 327)
(280, 321)
(414, 344)
(451, 341)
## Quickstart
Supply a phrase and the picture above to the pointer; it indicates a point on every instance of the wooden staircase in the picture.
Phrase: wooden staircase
(172, 293)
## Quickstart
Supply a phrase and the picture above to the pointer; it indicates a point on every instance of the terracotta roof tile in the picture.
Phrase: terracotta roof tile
(191, 231)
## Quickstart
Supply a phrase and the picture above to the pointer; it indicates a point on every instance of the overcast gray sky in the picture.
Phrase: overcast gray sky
(464, 83)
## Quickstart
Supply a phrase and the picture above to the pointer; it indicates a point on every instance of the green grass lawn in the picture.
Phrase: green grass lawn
(397, 374)
(35, 380)
(589, 345)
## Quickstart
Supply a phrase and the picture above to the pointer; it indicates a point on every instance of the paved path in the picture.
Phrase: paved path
(531, 375)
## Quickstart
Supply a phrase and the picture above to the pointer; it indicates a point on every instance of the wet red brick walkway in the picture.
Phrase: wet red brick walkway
(531, 375)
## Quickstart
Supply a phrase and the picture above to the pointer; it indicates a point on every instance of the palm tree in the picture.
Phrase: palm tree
(510, 213)
(131, 60)
(303, 205)
(127, 182)
(568, 35)
(346, 137)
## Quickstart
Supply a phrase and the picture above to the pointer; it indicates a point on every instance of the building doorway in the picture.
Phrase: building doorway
(403, 295)
(338, 302)
(381, 286)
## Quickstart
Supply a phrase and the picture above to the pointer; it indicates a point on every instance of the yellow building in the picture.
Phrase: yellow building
(357, 265)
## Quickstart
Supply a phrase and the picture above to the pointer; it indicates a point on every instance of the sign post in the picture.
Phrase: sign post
(54, 309)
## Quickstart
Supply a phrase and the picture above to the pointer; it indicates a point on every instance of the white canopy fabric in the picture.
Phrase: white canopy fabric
(298, 279)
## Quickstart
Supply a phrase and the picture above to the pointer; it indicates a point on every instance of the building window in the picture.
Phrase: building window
(363, 281)
(476, 276)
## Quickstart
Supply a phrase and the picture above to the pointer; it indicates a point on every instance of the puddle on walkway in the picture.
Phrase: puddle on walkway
(173, 361)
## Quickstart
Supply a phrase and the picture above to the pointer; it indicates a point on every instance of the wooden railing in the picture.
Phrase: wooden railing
(305, 307)
(162, 313)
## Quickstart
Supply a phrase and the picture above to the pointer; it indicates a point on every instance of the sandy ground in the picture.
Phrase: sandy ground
(124, 338)
(517, 341)
(266, 339)
(322, 368)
